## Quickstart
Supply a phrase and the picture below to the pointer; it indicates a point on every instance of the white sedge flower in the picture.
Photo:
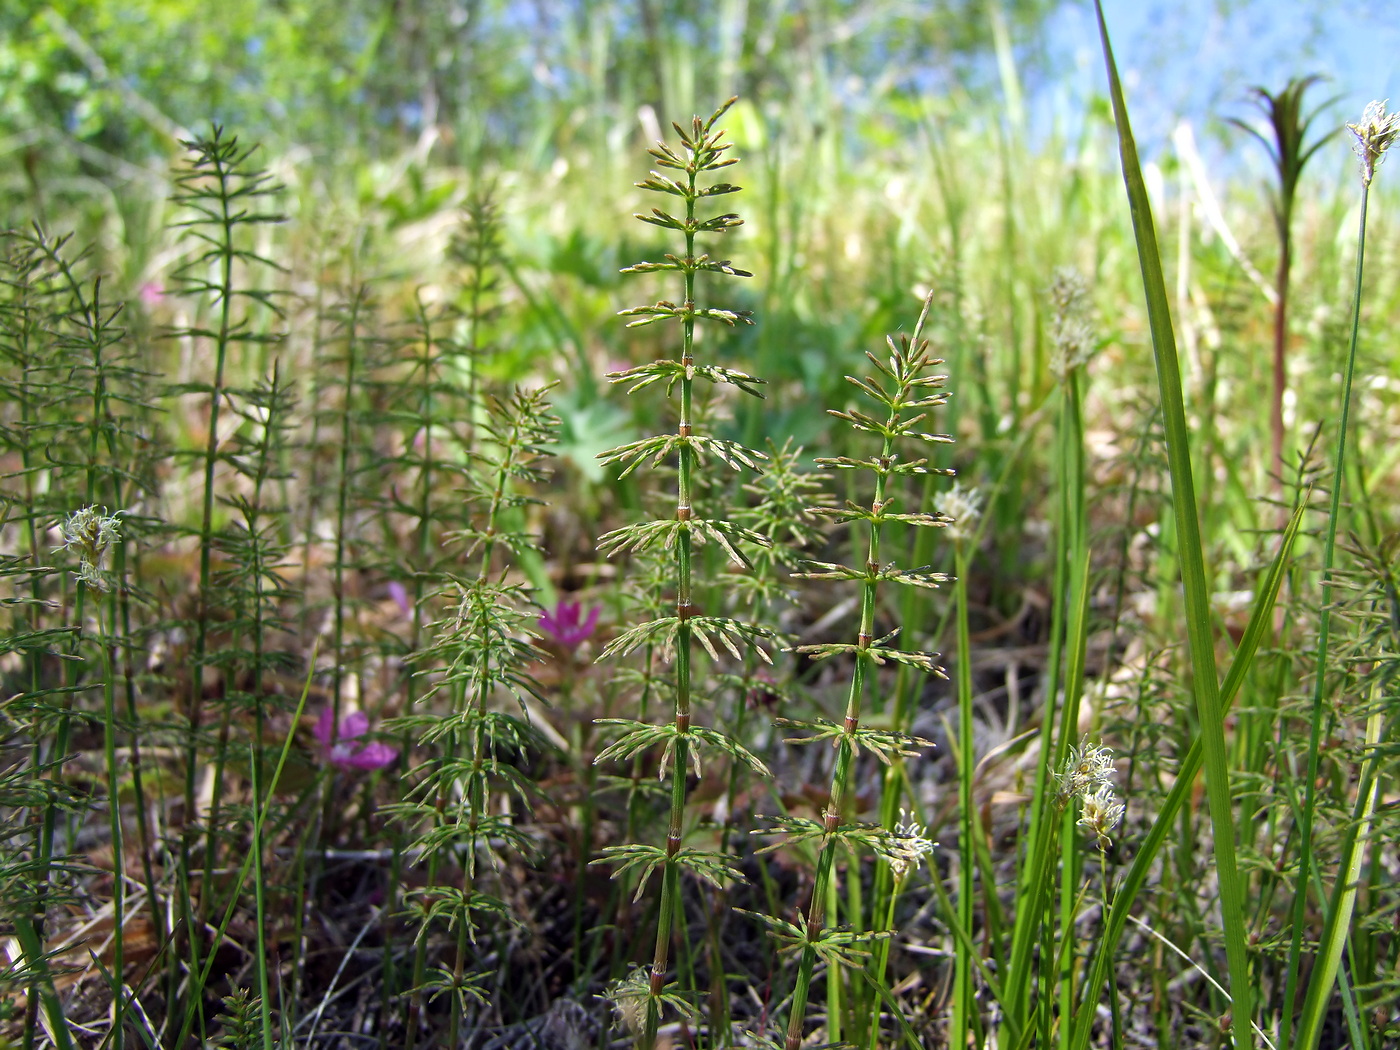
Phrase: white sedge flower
(964, 507)
(1089, 769)
(1072, 335)
(1101, 812)
(90, 532)
(1373, 135)
(906, 846)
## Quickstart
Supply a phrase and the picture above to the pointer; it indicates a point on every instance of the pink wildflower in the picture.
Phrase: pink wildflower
(348, 749)
(564, 627)
(399, 593)
(150, 294)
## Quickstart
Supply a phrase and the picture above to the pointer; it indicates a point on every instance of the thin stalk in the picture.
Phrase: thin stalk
(134, 742)
(1324, 629)
(1072, 472)
(342, 499)
(41, 988)
(1280, 373)
(967, 820)
(259, 894)
(1067, 645)
(222, 341)
(109, 747)
(1337, 929)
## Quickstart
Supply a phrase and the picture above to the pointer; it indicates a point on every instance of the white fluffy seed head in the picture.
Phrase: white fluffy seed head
(1072, 336)
(628, 997)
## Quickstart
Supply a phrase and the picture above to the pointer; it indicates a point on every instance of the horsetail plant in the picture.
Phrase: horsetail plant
(76, 394)
(484, 646)
(223, 193)
(95, 436)
(426, 404)
(783, 511)
(476, 247)
(906, 390)
(360, 358)
(702, 151)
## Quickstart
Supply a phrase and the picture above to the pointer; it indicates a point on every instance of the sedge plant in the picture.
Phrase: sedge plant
(1373, 136)
(1050, 833)
(1210, 698)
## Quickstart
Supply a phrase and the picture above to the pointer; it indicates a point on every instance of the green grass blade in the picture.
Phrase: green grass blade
(1192, 557)
(1338, 926)
(1068, 592)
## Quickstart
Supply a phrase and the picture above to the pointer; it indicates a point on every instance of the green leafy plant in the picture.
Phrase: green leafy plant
(905, 390)
(677, 636)
(1290, 151)
(482, 652)
(224, 197)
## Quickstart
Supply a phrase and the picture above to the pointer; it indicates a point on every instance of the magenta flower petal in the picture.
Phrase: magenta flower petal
(564, 627)
(373, 755)
(355, 724)
(347, 748)
(399, 593)
(591, 623)
(324, 731)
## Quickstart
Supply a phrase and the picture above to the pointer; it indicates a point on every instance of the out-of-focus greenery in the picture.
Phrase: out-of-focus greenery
(370, 74)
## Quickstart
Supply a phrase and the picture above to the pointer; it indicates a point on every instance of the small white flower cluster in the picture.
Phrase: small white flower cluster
(964, 507)
(1088, 776)
(90, 532)
(628, 996)
(1072, 337)
(1373, 135)
(906, 846)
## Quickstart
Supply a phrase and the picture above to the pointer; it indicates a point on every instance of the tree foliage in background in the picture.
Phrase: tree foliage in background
(373, 74)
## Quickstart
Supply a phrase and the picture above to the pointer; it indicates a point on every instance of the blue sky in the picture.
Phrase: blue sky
(1198, 58)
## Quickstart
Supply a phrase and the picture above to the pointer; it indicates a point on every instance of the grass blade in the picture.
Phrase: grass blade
(1199, 635)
